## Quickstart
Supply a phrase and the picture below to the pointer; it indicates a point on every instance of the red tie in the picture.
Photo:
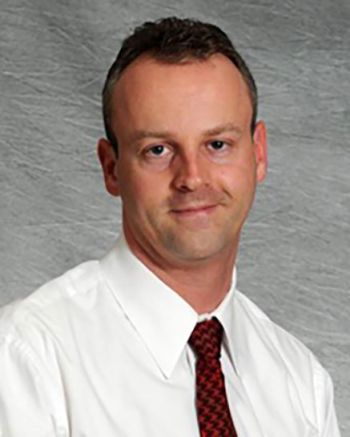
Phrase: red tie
(213, 412)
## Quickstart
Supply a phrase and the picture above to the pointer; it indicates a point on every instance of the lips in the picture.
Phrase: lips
(194, 208)
(198, 205)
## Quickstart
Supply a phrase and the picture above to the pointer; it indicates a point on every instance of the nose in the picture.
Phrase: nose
(189, 172)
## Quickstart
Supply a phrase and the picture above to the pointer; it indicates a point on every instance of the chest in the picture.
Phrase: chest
(125, 394)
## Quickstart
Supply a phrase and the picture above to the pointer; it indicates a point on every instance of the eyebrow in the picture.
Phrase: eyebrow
(228, 127)
(223, 128)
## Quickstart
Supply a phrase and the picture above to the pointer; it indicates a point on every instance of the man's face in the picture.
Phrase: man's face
(187, 165)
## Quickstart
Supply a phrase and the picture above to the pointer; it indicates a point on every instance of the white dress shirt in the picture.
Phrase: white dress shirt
(102, 352)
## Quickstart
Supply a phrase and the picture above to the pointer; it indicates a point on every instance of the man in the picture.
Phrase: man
(154, 339)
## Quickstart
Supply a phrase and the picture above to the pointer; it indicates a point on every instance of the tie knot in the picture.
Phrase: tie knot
(206, 339)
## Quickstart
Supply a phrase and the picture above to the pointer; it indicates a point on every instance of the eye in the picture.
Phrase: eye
(218, 145)
(157, 150)
(158, 153)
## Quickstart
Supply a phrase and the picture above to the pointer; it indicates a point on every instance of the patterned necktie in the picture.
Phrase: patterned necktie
(213, 412)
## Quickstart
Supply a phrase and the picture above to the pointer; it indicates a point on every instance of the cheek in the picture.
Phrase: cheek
(238, 179)
(140, 194)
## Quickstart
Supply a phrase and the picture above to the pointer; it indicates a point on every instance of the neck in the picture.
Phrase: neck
(202, 284)
(203, 288)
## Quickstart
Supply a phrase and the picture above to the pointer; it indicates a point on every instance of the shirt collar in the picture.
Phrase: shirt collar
(162, 318)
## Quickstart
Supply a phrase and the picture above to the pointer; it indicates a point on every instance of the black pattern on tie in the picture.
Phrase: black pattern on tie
(213, 412)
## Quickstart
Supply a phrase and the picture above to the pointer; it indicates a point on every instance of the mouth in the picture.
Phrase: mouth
(196, 210)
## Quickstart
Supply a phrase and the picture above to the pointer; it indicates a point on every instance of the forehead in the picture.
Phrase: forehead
(150, 91)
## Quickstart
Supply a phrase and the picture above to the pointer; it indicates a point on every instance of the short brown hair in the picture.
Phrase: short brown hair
(173, 40)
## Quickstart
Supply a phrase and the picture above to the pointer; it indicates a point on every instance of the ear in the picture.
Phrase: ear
(109, 161)
(260, 147)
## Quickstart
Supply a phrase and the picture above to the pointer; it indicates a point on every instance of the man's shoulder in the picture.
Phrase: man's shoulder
(51, 300)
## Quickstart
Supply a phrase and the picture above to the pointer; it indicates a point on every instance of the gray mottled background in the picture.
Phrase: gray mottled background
(54, 213)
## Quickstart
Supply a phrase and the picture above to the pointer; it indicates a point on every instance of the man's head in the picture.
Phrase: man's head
(173, 41)
(190, 152)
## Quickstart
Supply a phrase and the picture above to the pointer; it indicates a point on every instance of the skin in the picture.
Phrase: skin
(186, 170)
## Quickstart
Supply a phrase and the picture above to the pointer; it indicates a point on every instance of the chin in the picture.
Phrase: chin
(197, 250)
